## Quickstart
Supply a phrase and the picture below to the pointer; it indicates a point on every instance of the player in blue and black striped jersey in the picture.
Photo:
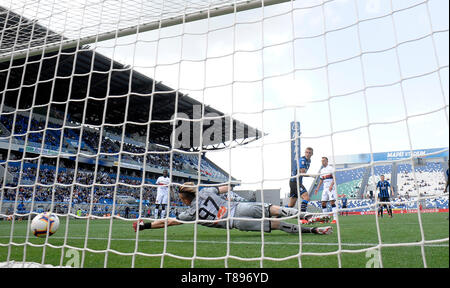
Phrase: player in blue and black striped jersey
(384, 195)
(296, 181)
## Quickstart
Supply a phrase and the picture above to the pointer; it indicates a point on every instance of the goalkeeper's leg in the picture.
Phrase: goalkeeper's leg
(294, 228)
(308, 218)
(269, 225)
(278, 211)
(258, 210)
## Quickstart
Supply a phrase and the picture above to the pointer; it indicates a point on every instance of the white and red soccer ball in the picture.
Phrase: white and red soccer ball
(43, 223)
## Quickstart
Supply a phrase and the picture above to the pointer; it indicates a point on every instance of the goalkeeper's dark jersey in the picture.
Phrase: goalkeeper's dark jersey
(210, 207)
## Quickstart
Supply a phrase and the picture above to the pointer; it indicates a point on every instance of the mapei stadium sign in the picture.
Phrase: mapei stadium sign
(422, 153)
(405, 154)
(391, 156)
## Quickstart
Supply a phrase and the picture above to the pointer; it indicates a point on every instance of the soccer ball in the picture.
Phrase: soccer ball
(44, 222)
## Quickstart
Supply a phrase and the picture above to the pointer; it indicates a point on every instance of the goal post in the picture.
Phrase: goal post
(108, 106)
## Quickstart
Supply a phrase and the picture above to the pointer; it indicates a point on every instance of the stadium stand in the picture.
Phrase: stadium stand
(430, 179)
(89, 144)
(39, 146)
(356, 183)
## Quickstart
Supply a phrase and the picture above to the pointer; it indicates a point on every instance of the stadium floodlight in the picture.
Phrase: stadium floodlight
(99, 97)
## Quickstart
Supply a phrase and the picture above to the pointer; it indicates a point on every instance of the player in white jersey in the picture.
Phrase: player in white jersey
(162, 195)
(329, 188)
(214, 211)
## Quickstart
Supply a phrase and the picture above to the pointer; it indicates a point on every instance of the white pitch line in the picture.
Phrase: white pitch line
(232, 242)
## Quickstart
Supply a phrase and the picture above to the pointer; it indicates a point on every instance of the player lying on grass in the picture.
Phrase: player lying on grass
(213, 211)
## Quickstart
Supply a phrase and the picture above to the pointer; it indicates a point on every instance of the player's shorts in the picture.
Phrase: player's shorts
(328, 195)
(384, 199)
(161, 198)
(293, 187)
(252, 210)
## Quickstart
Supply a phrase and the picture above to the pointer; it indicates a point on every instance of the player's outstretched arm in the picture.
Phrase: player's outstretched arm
(162, 223)
(224, 189)
(156, 224)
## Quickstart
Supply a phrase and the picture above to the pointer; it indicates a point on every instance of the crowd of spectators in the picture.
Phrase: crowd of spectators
(156, 156)
(36, 131)
(83, 183)
(39, 180)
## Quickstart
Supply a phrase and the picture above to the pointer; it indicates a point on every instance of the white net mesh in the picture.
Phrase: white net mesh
(73, 22)
(87, 126)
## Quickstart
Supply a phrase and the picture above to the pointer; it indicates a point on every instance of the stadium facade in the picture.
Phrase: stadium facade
(78, 126)
(357, 174)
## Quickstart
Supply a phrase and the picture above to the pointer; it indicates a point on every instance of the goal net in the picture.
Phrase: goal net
(102, 98)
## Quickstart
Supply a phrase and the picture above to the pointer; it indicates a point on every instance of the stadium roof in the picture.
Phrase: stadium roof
(89, 21)
(96, 90)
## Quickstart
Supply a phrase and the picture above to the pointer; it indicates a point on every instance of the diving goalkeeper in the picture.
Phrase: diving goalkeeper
(213, 211)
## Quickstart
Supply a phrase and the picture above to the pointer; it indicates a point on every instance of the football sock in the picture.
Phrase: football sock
(293, 228)
(288, 227)
(304, 205)
(334, 209)
(287, 212)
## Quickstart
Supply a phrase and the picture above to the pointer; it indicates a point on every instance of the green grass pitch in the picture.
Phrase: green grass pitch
(244, 248)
